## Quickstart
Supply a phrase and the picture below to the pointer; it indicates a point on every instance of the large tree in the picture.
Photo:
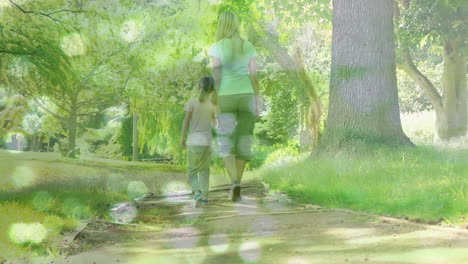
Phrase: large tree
(363, 89)
(441, 26)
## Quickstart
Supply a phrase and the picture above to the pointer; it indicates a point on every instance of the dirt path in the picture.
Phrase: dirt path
(263, 228)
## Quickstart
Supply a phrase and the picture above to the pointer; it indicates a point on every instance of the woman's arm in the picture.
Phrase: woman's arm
(217, 72)
(185, 126)
(255, 84)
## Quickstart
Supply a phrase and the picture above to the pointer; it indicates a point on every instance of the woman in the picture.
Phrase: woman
(234, 71)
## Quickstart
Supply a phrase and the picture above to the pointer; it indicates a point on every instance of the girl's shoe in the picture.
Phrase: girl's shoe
(204, 201)
(197, 200)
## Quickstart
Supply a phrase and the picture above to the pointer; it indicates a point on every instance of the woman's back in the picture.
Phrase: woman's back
(234, 66)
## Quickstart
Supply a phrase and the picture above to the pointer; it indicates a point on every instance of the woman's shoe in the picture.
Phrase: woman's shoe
(235, 192)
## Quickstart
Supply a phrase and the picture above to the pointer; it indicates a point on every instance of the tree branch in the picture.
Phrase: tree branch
(125, 85)
(66, 10)
(96, 66)
(49, 15)
(59, 117)
(408, 66)
(426, 85)
(13, 52)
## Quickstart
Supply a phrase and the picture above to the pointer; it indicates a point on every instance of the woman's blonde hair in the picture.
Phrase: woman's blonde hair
(228, 27)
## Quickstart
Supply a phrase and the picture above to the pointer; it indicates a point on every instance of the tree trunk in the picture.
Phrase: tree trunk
(135, 156)
(48, 144)
(311, 109)
(363, 89)
(33, 144)
(72, 133)
(451, 120)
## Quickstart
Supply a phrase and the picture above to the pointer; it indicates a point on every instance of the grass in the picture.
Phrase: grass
(417, 182)
(41, 191)
(24, 230)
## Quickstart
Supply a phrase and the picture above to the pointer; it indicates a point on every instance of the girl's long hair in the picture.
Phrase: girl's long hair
(228, 27)
(207, 88)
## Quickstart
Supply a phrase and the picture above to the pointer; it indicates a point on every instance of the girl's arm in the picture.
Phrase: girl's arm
(217, 72)
(255, 84)
(185, 126)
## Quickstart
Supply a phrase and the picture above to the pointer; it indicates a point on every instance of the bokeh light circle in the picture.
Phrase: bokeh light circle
(22, 233)
(22, 177)
(124, 212)
(132, 31)
(219, 243)
(73, 45)
(250, 251)
(136, 189)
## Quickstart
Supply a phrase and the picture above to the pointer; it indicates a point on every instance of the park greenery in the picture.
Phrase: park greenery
(107, 80)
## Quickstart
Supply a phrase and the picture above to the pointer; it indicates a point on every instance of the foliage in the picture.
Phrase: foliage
(411, 97)
(429, 21)
(280, 122)
(13, 109)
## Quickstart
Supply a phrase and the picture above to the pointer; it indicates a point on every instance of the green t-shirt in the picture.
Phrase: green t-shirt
(234, 72)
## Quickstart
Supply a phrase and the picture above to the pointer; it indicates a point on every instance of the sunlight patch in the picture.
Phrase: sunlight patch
(219, 243)
(247, 207)
(351, 234)
(132, 31)
(175, 187)
(16, 143)
(22, 177)
(174, 192)
(250, 251)
(22, 233)
(136, 189)
(73, 45)
(4, 3)
(7, 3)
(297, 261)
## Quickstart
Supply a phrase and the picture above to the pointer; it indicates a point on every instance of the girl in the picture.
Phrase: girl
(234, 70)
(199, 116)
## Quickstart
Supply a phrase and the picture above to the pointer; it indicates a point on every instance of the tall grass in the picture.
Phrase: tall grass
(417, 182)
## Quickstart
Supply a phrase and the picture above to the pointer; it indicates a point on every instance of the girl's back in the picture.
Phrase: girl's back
(200, 125)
